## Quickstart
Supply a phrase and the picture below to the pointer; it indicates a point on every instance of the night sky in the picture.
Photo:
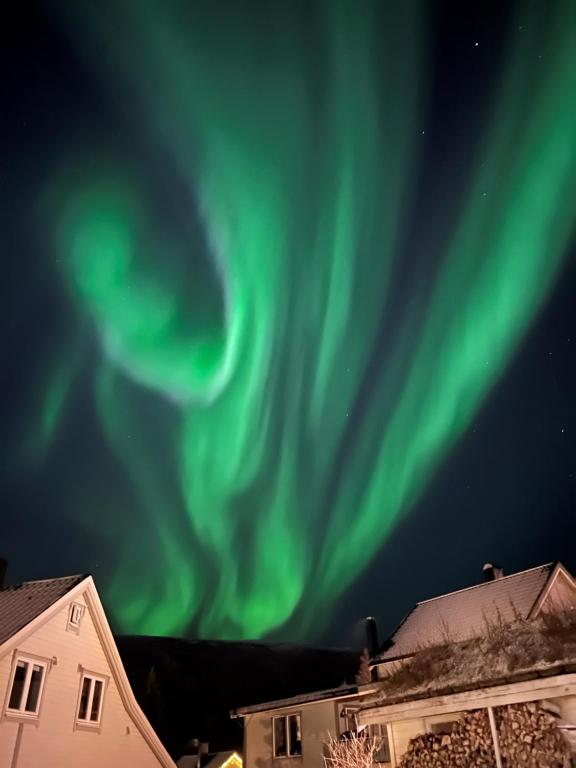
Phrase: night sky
(288, 305)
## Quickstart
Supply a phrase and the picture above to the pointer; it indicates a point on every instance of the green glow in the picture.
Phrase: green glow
(258, 501)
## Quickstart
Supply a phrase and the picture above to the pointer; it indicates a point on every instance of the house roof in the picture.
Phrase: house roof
(305, 698)
(22, 603)
(462, 615)
(223, 760)
(230, 759)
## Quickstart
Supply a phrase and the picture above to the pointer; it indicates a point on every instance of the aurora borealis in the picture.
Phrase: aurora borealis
(278, 350)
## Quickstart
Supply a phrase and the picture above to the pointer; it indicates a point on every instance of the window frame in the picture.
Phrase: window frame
(286, 719)
(380, 731)
(87, 722)
(31, 661)
(441, 727)
(75, 615)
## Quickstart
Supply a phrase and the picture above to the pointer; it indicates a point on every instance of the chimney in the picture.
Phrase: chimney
(371, 636)
(3, 569)
(492, 572)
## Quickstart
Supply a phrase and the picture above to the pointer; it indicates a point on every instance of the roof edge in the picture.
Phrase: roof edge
(305, 698)
(127, 696)
(550, 565)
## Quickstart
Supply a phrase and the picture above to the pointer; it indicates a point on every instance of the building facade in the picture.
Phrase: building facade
(65, 697)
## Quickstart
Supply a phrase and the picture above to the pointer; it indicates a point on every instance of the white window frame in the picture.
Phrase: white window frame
(93, 678)
(75, 615)
(31, 662)
(380, 731)
(286, 718)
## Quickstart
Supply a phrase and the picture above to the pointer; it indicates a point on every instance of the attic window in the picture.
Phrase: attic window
(75, 615)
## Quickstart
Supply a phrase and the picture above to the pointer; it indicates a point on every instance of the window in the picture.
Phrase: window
(443, 727)
(26, 687)
(350, 716)
(90, 703)
(379, 732)
(75, 615)
(287, 736)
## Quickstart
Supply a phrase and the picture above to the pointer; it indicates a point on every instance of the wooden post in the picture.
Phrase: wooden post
(495, 741)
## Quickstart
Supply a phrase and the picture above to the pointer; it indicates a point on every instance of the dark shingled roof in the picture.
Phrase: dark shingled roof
(462, 615)
(22, 603)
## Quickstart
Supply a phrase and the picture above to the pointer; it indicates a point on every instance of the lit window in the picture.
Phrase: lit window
(26, 688)
(379, 732)
(287, 736)
(90, 704)
(75, 614)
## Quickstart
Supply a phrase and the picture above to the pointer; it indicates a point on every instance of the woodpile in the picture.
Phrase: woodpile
(527, 733)
(529, 737)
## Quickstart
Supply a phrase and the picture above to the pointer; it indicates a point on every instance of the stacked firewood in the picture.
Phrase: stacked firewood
(469, 744)
(528, 738)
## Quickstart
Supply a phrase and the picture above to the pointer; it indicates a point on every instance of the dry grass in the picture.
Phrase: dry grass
(505, 648)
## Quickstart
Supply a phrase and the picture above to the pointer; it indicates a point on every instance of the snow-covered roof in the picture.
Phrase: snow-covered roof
(462, 615)
(22, 603)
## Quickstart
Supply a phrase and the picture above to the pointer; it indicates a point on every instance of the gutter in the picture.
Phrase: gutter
(334, 694)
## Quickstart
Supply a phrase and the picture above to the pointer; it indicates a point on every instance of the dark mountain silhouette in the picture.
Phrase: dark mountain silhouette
(187, 689)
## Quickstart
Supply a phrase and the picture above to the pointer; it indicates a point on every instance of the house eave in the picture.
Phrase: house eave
(495, 694)
(332, 694)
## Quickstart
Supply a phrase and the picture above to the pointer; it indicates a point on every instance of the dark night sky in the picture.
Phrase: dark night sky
(505, 491)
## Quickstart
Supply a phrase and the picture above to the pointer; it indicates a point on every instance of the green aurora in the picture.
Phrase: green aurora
(271, 413)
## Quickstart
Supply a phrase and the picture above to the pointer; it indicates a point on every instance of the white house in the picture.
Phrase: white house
(466, 680)
(291, 733)
(65, 697)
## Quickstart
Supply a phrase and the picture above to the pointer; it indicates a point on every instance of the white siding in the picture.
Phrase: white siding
(317, 720)
(402, 732)
(567, 705)
(53, 741)
(562, 595)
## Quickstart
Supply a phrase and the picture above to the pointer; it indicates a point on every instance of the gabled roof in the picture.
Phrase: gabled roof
(230, 759)
(462, 615)
(22, 603)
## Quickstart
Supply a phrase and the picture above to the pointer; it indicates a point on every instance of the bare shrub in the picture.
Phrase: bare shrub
(354, 751)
